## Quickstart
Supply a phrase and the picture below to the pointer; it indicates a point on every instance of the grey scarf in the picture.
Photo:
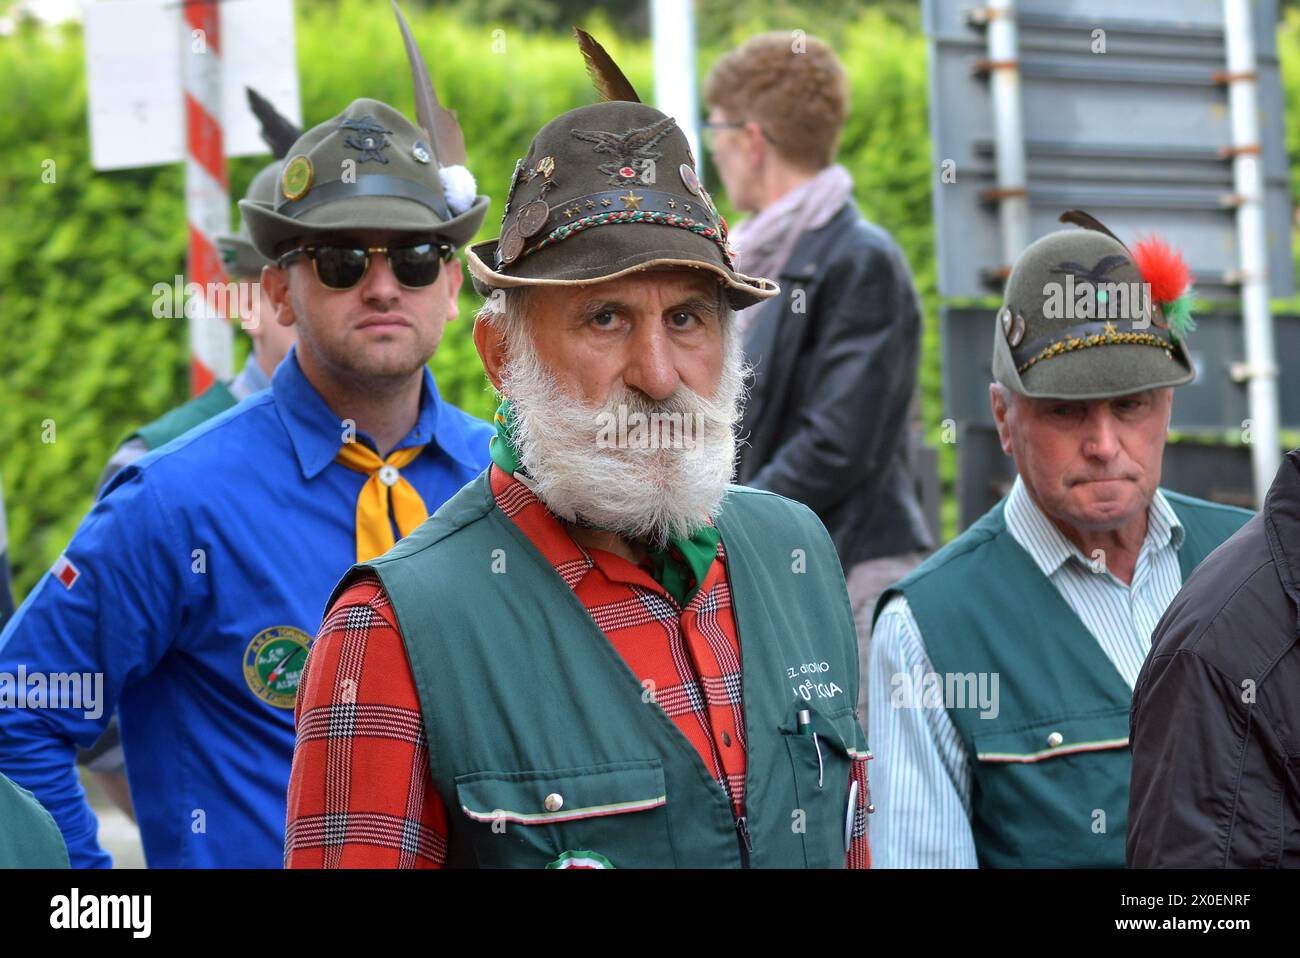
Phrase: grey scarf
(764, 242)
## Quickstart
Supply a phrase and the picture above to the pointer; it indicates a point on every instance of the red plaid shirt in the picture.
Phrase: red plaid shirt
(360, 792)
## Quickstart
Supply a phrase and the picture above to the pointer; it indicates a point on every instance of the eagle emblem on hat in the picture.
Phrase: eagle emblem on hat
(627, 147)
(367, 137)
(1095, 274)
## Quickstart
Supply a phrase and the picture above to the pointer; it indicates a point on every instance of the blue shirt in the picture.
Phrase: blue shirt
(202, 569)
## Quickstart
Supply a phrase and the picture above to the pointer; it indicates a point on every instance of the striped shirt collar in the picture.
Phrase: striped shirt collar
(250, 380)
(1050, 549)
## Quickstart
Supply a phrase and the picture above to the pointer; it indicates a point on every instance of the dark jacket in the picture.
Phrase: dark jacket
(1216, 710)
(834, 359)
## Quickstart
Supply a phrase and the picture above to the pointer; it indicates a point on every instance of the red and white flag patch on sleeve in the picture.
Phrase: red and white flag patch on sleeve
(65, 571)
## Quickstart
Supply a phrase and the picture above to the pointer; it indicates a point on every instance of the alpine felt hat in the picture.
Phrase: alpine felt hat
(606, 190)
(239, 256)
(369, 168)
(1079, 320)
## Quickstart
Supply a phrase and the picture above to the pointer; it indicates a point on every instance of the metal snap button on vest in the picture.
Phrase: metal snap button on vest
(1055, 739)
(389, 475)
(554, 802)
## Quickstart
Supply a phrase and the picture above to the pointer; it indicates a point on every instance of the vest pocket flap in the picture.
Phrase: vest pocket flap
(545, 797)
(1066, 736)
(836, 730)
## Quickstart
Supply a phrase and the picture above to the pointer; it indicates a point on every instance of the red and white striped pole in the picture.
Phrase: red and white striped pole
(207, 192)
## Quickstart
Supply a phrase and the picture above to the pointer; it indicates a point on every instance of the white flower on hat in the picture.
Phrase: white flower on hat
(459, 187)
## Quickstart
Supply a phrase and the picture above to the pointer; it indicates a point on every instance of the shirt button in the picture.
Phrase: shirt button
(389, 475)
(1055, 739)
(726, 740)
(554, 802)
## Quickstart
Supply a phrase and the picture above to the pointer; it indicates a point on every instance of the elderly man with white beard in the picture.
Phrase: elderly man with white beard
(599, 653)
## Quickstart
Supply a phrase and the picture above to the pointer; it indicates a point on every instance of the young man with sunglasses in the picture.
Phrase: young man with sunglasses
(192, 590)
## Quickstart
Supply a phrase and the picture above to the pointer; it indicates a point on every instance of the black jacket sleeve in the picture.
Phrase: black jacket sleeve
(864, 362)
(1206, 775)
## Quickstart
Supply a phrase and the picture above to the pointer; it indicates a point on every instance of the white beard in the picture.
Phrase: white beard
(638, 493)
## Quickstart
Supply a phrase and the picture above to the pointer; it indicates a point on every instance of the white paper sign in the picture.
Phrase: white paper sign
(133, 67)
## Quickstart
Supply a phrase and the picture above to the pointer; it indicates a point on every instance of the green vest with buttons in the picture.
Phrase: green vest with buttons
(1051, 768)
(543, 742)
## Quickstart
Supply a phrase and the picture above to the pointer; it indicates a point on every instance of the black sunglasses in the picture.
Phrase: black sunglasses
(341, 267)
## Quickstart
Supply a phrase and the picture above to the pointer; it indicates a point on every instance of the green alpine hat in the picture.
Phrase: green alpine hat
(367, 168)
(1081, 319)
(603, 191)
(371, 168)
(238, 255)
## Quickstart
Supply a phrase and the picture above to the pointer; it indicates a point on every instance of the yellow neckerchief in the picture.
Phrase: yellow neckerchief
(374, 532)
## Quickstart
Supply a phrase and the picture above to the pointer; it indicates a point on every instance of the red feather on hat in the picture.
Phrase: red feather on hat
(1163, 268)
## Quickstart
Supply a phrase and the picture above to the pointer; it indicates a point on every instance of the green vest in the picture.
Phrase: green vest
(216, 399)
(525, 699)
(1051, 770)
(29, 838)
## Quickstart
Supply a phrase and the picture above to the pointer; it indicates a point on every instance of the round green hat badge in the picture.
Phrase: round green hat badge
(273, 664)
(296, 179)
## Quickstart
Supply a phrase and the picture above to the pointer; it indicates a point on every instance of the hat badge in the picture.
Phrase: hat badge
(631, 149)
(1013, 326)
(421, 152)
(296, 179)
(689, 178)
(368, 137)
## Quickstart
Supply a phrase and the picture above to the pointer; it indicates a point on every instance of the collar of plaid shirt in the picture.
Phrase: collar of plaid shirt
(680, 568)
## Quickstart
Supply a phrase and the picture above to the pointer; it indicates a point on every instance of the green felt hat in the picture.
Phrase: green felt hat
(369, 168)
(239, 256)
(1079, 322)
(606, 190)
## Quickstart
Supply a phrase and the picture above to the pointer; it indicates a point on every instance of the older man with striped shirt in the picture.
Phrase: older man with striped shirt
(1002, 669)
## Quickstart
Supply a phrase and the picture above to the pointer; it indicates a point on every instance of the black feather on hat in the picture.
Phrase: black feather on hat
(239, 257)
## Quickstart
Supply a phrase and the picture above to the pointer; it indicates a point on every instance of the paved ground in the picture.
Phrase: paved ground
(117, 833)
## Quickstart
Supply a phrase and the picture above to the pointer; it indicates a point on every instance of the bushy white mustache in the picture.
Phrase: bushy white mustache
(654, 494)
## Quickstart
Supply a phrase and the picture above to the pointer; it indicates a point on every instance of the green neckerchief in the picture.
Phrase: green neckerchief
(502, 446)
(680, 568)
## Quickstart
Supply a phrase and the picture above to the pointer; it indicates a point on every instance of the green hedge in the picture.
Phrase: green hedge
(79, 256)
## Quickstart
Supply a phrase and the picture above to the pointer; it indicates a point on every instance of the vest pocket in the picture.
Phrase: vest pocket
(1053, 794)
(1043, 740)
(529, 819)
(821, 757)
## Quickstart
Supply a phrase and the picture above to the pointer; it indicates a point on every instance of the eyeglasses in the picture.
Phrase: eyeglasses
(342, 267)
(709, 131)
